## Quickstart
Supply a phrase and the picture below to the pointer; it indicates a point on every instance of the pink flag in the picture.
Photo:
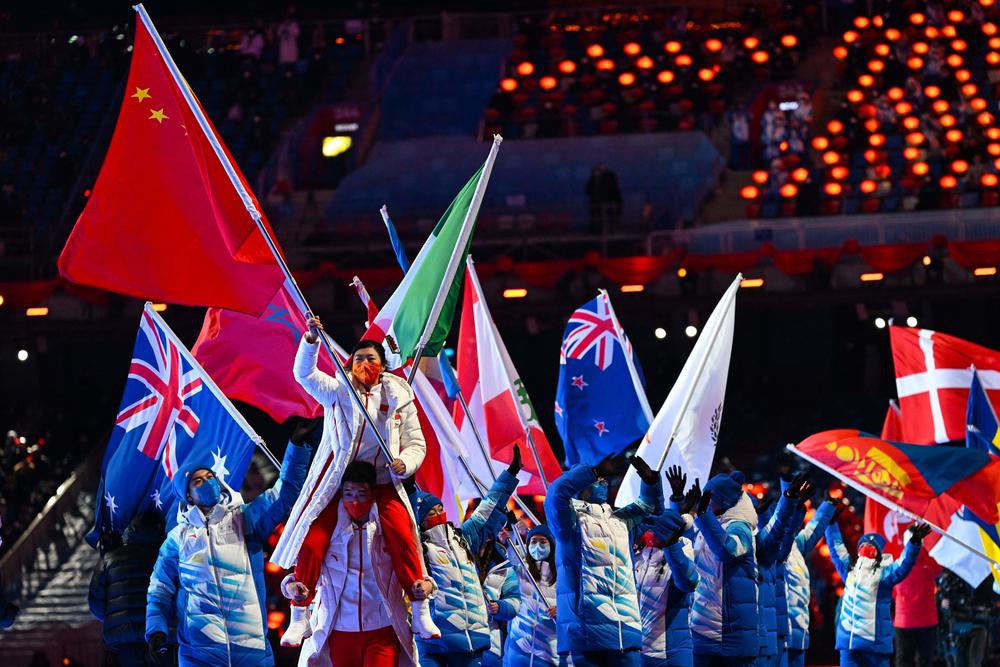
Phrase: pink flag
(250, 358)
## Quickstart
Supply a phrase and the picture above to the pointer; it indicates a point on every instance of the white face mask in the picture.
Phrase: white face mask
(539, 550)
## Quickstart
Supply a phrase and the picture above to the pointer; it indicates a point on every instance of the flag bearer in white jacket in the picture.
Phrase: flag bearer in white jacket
(360, 616)
(347, 437)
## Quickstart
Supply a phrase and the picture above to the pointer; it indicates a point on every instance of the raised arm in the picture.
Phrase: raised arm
(727, 544)
(490, 515)
(899, 570)
(839, 554)
(809, 537)
(770, 537)
(788, 537)
(317, 384)
(263, 514)
(161, 596)
(559, 513)
(650, 495)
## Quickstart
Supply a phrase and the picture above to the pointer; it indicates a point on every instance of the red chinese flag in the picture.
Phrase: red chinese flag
(165, 220)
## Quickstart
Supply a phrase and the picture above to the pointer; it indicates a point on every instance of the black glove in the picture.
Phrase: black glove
(157, 646)
(794, 486)
(764, 504)
(806, 493)
(669, 527)
(515, 462)
(704, 502)
(646, 474)
(918, 533)
(304, 429)
(840, 504)
(677, 481)
(610, 466)
(410, 485)
(691, 498)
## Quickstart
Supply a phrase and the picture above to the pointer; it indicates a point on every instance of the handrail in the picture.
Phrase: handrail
(23, 555)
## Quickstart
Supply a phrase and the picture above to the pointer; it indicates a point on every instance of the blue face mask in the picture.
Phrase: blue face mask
(599, 492)
(539, 550)
(208, 493)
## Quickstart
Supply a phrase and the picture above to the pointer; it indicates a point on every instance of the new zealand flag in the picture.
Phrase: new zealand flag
(601, 404)
(170, 408)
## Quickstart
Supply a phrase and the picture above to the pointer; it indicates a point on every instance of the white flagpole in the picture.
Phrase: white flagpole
(295, 292)
(457, 251)
(694, 384)
(212, 387)
(888, 503)
(640, 392)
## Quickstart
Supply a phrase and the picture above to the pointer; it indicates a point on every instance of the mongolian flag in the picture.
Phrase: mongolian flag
(912, 477)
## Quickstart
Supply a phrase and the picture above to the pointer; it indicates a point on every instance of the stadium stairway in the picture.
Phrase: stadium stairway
(47, 574)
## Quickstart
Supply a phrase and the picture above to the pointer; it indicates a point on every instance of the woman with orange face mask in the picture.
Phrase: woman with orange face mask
(348, 437)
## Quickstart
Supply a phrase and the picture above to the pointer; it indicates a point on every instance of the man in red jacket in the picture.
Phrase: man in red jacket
(916, 613)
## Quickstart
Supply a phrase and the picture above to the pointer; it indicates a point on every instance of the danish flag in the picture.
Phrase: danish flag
(162, 410)
(933, 375)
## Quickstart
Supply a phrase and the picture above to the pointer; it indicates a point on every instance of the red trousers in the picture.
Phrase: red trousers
(371, 648)
(397, 529)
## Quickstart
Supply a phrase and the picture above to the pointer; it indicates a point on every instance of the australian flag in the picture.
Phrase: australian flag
(601, 404)
(169, 409)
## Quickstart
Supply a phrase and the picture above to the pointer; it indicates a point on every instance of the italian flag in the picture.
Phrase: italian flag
(418, 315)
(498, 400)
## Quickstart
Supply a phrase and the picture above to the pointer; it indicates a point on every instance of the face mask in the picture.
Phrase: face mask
(868, 551)
(651, 540)
(436, 520)
(599, 492)
(208, 493)
(356, 509)
(539, 550)
(367, 372)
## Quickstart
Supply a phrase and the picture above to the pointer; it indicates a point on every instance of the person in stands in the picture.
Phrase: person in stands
(347, 437)
(209, 575)
(460, 608)
(598, 621)
(360, 616)
(864, 625)
(118, 588)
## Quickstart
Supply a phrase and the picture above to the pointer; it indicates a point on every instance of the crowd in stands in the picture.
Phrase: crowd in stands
(916, 129)
(60, 99)
(657, 70)
(30, 472)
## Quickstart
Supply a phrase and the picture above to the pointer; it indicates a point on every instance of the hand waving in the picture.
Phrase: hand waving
(677, 481)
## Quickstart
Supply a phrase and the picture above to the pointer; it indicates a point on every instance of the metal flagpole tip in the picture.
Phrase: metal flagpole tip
(497, 139)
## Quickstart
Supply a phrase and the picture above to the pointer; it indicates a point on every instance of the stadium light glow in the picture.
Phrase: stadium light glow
(159, 307)
(547, 82)
(525, 69)
(751, 283)
(666, 76)
(22, 355)
(690, 331)
(336, 145)
(880, 323)
(644, 62)
(984, 271)
(911, 321)
(632, 49)
(632, 289)
(626, 78)
(37, 311)
(508, 85)
(595, 50)
(926, 261)
(873, 277)
(567, 67)
(515, 293)
(682, 272)
(660, 333)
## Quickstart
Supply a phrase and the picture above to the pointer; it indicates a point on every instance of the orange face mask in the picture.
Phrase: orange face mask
(367, 372)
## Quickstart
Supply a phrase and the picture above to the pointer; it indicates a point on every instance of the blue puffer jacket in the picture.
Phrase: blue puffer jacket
(595, 583)
(864, 622)
(500, 589)
(797, 575)
(769, 540)
(459, 608)
(724, 606)
(531, 636)
(209, 576)
(665, 578)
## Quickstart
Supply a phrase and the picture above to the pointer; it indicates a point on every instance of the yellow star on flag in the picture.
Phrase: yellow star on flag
(141, 93)
(157, 115)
